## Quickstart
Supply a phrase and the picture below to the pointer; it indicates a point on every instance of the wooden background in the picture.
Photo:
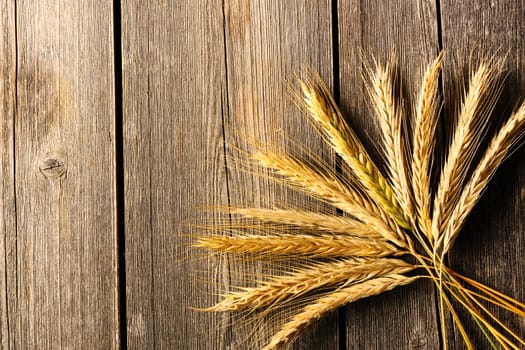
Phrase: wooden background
(114, 121)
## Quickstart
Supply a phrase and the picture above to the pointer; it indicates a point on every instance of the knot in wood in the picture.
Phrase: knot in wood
(418, 341)
(52, 168)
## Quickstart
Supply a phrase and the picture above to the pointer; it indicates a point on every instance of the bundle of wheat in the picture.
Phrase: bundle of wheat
(390, 230)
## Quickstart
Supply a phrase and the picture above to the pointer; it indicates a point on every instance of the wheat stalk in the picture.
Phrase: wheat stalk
(310, 220)
(496, 152)
(381, 89)
(345, 258)
(332, 301)
(322, 108)
(477, 107)
(297, 244)
(304, 280)
(329, 188)
(423, 143)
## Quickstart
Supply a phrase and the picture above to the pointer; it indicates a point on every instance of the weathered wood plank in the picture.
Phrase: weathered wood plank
(490, 247)
(181, 70)
(173, 82)
(406, 317)
(266, 42)
(7, 198)
(64, 294)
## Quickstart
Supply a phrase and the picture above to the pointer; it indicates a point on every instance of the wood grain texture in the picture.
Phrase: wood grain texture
(198, 78)
(404, 318)
(7, 199)
(266, 43)
(62, 274)
(490, 247)
(173, 82)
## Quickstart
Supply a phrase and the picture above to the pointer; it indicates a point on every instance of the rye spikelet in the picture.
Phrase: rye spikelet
(329, 188)
(309, 220)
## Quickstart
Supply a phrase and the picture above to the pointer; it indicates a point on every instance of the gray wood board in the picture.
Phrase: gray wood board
(173, 86)
(198, 78)
(58, 164)
(8, 295)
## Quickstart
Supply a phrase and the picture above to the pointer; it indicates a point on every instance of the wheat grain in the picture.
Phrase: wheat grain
(423, 143)
(295, 284)
(332, 301)
(496, 152)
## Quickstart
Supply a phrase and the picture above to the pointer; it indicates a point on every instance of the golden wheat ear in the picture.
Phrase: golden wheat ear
(331, 301)
(327, 187)
(321, 107)
(278, 291)
(427, 113)
(484, 89)
(309, 262)
(309, 220)
(498, 149)
(381, 84)
(297, 245)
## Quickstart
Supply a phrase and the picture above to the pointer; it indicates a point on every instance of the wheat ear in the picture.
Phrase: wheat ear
(309, 220)
(389, 109)
(423, 143)
(297, 244)
(496, 152)
(322, 108)
(295, 284)
(476, 108)
(332, 301)
(328, 187)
